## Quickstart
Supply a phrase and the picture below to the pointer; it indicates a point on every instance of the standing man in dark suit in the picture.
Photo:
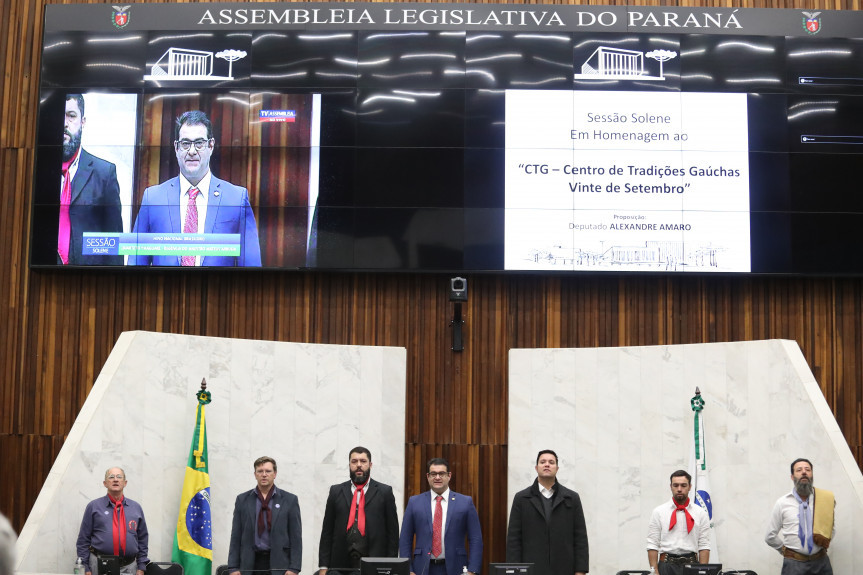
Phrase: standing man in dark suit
(197, 202)
(89, 194)
(360, 519)
(546, 524)
(266, 534)
(437, 523)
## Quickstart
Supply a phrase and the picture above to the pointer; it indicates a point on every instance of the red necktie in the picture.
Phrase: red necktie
(190, 226)
(437, 528)
(358, 510)
(690, 522)
(119, 526)
(65, 226)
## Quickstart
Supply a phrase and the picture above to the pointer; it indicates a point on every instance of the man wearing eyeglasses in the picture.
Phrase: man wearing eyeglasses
(114, 525)
(197, 202)
(436, 525)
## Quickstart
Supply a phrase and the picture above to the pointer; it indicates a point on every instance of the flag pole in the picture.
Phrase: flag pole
(193, 539)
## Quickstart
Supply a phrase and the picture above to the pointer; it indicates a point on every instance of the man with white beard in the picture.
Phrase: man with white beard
(801, 530)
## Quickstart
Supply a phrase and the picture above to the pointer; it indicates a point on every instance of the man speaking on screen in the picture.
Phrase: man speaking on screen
(197, 202)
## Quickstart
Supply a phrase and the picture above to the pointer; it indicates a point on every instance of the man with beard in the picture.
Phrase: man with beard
(679, 530)
(802, 524)
(360, 519)
(89, 193)
(546, 524)
(266, 532)
(114, 525)
(197, 202)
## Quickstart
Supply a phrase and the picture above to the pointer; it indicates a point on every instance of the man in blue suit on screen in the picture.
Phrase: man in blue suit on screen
(197, 202)
(441, 520)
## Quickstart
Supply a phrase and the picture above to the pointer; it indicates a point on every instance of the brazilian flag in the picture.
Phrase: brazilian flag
(193, 543)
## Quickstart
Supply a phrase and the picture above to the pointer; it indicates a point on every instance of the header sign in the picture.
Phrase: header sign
(474, 17)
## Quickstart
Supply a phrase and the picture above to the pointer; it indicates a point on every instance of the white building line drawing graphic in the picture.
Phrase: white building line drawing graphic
(609, 63)
(185, 64)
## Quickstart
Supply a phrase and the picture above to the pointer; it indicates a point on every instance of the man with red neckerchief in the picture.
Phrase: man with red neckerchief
(679, 530)
(360, 519)
(114, 525)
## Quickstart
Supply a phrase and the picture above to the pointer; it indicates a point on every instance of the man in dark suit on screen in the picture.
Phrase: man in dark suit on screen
(89, 193)
(197, 202)
(266, 533)
(360, 519)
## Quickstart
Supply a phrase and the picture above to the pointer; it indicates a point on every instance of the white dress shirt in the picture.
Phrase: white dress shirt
(443, 507)
(200, 202)
(784, 524)
(678, 541)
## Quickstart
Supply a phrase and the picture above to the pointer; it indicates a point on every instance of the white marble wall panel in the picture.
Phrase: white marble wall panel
(620, 421)
(304, 405)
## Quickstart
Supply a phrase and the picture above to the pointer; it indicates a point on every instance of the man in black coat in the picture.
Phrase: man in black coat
(89, 196)
(546, 524)
(360, 519)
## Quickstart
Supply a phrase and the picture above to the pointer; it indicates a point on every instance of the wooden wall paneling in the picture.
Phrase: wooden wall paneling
(62, 326)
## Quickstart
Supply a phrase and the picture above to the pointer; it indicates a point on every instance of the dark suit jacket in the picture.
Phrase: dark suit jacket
(95, 207)
(555, 547)
(228, 212)
(382, 524)
(286, 534)
(462, 521)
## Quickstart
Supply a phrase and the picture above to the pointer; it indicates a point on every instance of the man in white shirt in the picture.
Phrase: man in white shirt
(800, 530)
(679, 530)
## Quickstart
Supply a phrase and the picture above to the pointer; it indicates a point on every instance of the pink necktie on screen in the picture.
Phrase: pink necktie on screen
(65, 225)
(191, 224)
(437, 528)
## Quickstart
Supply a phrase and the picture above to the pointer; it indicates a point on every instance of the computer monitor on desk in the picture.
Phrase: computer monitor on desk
(108, 565)
(385, 566)
(703, 569)
(510, 568)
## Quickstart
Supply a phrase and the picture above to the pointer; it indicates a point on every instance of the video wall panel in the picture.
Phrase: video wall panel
(204, 136)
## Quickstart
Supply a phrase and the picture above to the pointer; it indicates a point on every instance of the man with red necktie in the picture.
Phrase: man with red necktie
(197, 202)
(436, 526)
(679, 530)
(114, 525)
(360, 519)
(89, 193)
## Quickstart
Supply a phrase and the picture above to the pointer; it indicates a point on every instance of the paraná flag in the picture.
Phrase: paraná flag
(700, 492)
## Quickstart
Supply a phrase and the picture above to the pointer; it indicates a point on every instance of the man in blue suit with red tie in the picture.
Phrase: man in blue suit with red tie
(197, 202)
(441, 520)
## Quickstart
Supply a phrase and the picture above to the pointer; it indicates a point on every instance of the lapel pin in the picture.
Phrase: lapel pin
(216, 194)
(277, 505)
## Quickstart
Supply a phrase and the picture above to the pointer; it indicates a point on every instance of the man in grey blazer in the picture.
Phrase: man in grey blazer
(266, 534)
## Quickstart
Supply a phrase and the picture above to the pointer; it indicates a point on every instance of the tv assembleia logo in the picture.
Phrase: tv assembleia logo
(609, 63)
(812, 22)
(120, 16)
(185, 64)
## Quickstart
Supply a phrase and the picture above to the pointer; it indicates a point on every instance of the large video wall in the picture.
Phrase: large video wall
(442, 138)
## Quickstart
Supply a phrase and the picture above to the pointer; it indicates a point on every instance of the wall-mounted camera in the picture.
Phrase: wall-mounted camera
(457, 289)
